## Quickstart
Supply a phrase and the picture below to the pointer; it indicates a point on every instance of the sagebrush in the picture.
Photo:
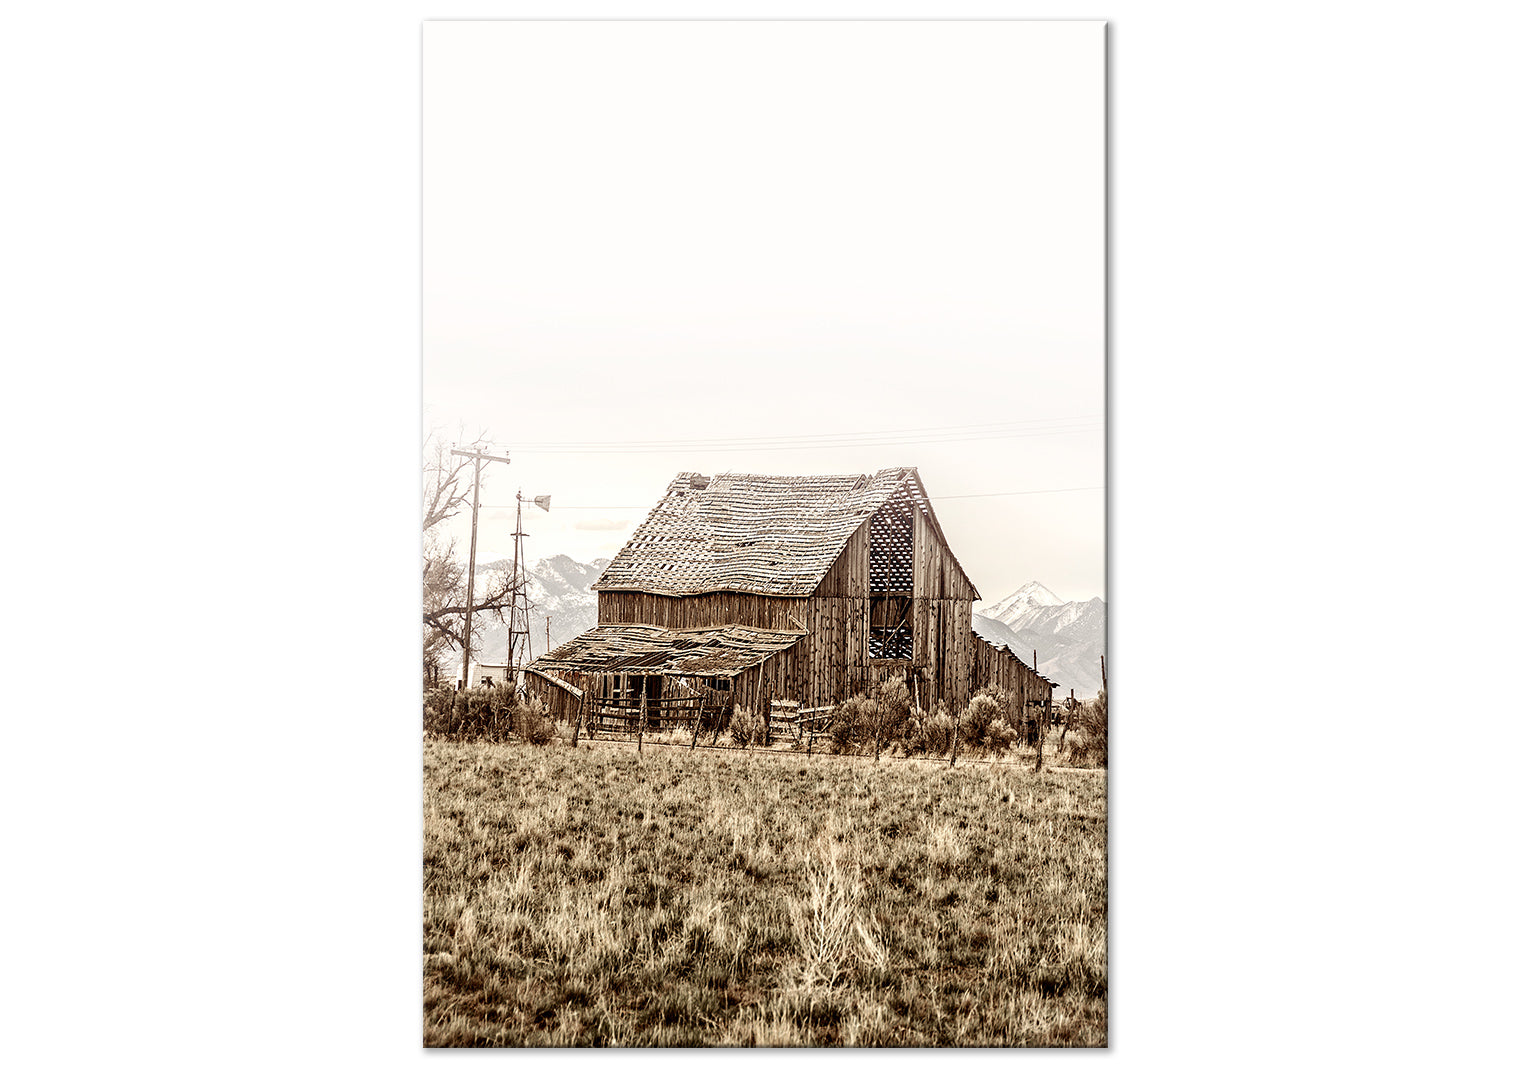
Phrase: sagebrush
(487, 712)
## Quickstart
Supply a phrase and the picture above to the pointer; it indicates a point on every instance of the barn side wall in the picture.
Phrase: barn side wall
(834, 656)
(708, 611)
(993, 666)
(942, 614)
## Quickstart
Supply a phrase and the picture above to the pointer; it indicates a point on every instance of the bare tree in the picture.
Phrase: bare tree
(446, 486)
(448, 479)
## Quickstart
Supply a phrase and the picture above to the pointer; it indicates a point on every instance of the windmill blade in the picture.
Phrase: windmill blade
(542, 501)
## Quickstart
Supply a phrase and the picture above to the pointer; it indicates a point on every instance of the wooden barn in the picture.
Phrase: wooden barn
(742, 589)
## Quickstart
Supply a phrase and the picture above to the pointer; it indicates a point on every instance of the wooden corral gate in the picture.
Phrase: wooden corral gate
(792, 723)
(706, 712)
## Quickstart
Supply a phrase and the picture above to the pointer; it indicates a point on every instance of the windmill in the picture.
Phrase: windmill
(518, 635)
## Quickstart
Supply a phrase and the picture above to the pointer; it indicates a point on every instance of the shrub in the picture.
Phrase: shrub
(892, 707)
(982, 710)
(488, 713)
(1088, 742)
(1005, 699)
(531, 723)
(436, 711)
(939, 731)
(999, 735)
(748, 727)
(930, 729)
(986, 724)
(852, 723)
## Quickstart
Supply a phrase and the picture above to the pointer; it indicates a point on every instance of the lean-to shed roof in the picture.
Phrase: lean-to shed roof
(742, 532)
(647, 649)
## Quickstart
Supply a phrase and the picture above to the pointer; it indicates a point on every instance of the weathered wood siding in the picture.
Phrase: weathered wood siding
(833, 659)
(562, 703)
(1001, 668)
(937, 574)
(708, 611)
(942, 611)
(848, 575)
(790, 675)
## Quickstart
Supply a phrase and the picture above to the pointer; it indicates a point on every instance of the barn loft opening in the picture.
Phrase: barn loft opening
(891, 641)
(891, 579)
(891, 556)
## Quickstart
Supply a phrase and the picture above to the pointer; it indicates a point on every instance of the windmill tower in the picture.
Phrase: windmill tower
(519, 635)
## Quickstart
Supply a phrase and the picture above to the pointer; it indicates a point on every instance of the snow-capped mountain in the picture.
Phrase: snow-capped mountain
(1069, 637)
(1028, 597)
(560, 603)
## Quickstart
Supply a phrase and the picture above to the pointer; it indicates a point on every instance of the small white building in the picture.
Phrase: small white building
(495, 673)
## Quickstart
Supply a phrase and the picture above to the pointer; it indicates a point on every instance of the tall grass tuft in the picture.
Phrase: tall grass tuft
(828, 927)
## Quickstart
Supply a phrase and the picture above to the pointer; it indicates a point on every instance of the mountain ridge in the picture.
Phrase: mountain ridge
(1069, 637)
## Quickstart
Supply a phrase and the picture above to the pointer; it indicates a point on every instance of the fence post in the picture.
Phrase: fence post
(643, 711)
(697, 722)
(952, 757)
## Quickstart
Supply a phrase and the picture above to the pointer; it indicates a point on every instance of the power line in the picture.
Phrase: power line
(976, 495)
(1029, 492)
(900, 440)
(817, 441)
(1056, 424)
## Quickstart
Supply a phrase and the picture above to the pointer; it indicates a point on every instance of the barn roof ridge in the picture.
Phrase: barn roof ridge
(770, 534)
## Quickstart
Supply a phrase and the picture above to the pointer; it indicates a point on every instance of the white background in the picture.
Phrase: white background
(1320, 233)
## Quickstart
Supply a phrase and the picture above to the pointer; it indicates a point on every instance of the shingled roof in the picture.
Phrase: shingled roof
(740, 532)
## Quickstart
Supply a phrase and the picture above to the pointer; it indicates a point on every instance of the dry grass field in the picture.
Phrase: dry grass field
(580, 897)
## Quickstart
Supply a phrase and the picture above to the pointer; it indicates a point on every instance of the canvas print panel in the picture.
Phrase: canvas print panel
(764, 657)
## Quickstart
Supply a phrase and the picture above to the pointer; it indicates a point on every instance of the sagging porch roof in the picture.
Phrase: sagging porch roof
(721, 652)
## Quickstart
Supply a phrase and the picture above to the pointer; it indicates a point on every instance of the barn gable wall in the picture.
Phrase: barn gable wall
(835, 655)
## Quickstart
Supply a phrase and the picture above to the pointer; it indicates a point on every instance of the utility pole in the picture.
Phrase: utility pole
(548, 633)
(473, 541)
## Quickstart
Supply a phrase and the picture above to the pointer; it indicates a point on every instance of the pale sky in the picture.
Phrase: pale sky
(742, 231)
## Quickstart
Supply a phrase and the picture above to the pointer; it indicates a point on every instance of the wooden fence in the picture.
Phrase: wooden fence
(795, 724)
(622, 714)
